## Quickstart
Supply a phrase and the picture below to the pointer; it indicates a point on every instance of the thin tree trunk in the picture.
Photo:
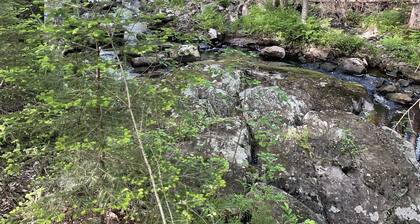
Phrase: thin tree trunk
(304, 10)
(414, 22)
(283, 3)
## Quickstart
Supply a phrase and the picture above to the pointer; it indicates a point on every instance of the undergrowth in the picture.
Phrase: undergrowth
(285, 26)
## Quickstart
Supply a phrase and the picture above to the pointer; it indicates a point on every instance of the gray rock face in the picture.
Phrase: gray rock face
(220, 99)
(275, 52)
(317, 90)
(339, 167)
(358, 176)
(297, 206)
(261, 101)
(353, 65)
(229, 140)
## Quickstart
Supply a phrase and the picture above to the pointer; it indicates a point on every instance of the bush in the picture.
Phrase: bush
(386, 21)
(210, 17)
(402, 42)
(224, 3)
(285, 26)
(283, 23)
(338, 39)
(404, 48)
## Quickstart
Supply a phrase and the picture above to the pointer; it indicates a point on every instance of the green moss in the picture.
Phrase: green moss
(353, 86)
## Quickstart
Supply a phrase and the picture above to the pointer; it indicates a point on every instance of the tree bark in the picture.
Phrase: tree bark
(414, 22)
(283, 3)
(304, 10)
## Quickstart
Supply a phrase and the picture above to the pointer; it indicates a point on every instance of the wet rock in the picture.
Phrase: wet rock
(371, 33)
(318, 90)
(251, 43)
(392, 74)
(144, 61)
(400, 98)
(274, 52)
(410, 72)
(414, 76)
(186, 53)
(213, 34)
(111, 218)
(390, 88)
(204, 47)
(108, 55)
(314, 53)
(353, 65)
(329, 67)
(404, 82)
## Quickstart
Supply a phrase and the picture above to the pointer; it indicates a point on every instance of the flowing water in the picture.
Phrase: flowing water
(386, 110)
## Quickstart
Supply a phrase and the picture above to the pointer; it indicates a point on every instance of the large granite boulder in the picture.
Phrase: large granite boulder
(273, 52)
(353, 65)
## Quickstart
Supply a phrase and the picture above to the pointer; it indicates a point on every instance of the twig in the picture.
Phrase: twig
(164, 194)
(408, 111)
(139, 141)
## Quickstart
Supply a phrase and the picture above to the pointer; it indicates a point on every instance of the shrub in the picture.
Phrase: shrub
(271, 22)
(224, 3)
(348, 144)
(338, 39)
(210, 17)
(386, 21)
(404, 48)
(285, 26)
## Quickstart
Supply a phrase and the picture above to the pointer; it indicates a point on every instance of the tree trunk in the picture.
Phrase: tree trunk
(283, 3)
(414, 22)
(304, 10)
